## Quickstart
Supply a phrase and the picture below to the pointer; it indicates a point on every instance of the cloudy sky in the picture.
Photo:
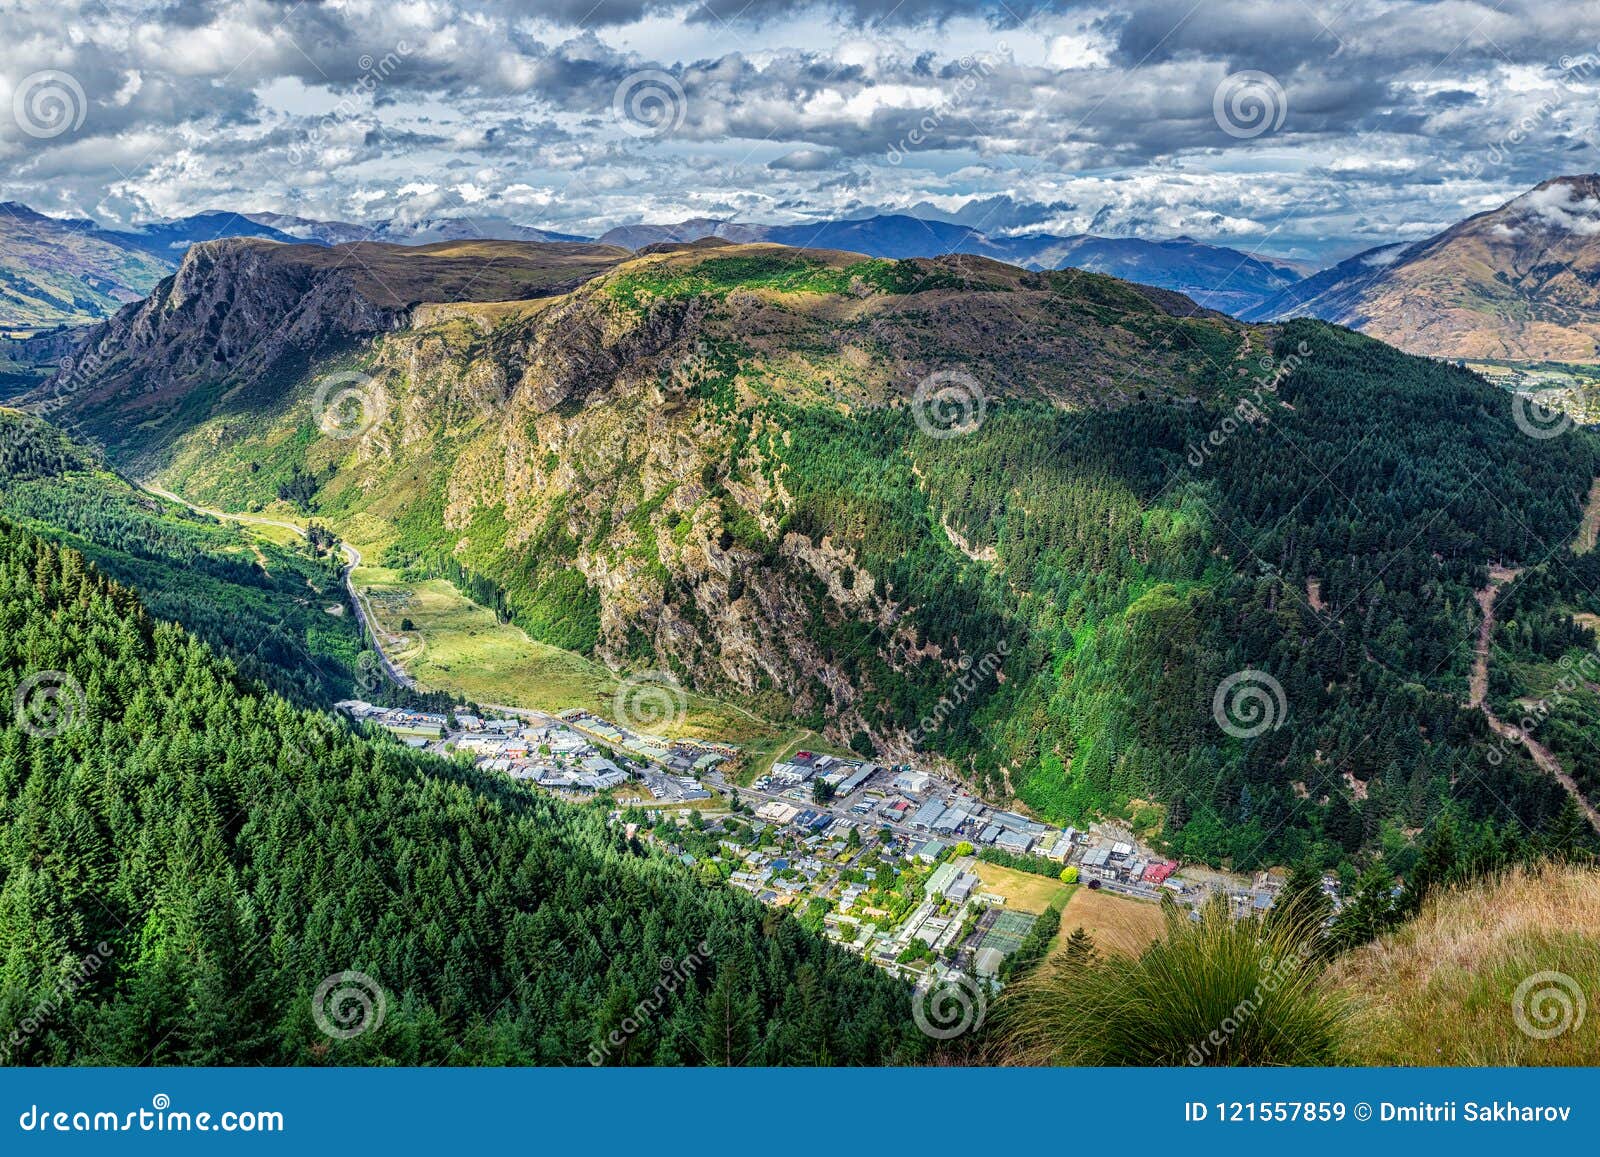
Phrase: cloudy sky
(1280, 126)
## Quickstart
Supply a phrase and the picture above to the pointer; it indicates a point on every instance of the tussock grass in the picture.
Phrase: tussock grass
(1211, 992)
(1441, 989)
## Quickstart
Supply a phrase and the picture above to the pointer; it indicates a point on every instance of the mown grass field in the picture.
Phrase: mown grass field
(1023, 890)
(1118, 924)
(457, 645)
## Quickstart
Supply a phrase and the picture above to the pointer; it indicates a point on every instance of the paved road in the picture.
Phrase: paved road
(352, 558)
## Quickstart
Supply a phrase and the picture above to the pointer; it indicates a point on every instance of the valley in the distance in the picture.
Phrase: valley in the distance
(495, 619)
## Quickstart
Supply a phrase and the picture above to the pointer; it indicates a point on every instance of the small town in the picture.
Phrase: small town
(902, 867)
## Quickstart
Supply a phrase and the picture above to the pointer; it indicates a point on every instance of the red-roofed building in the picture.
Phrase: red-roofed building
(1158, 872)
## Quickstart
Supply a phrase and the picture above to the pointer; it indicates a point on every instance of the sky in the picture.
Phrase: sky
(1280, 127)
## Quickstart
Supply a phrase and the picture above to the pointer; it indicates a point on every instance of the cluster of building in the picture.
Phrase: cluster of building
(806, 855)
(413, 728)
(576, 752)
(824, 831)
(686, 757)
(916, 803)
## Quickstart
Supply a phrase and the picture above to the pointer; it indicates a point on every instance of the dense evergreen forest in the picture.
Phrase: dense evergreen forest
(1545, 669)
(184, 860)
(1333, 540)
(262, 603)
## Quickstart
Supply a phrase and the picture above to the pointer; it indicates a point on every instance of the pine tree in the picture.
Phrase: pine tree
(1079, 950)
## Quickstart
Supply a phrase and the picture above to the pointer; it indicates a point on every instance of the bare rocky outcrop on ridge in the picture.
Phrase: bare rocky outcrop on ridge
(619, 443)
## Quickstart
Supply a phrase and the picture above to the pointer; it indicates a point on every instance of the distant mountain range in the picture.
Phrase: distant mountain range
(1214, 276)
(1518, 283)
(104, 269)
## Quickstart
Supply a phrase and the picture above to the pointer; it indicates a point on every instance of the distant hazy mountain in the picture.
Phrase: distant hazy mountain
(170, 240)
(1521, 282)
(55, 271)
(1319, 295)
(1215, 276)
(429, 230)
(320, 232)
(637, 237)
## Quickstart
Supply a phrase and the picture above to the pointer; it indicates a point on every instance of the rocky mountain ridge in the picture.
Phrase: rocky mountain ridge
(1520, 283)
(623, 439)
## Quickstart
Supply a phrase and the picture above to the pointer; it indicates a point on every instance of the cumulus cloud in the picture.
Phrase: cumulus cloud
(1563, 207)
(1399, 115)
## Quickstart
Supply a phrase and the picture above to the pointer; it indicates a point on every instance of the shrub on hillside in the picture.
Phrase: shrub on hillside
(1215, 991)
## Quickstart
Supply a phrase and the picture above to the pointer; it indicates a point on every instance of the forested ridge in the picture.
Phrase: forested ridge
(741, 488)
(217, 853)
(1127, 581)
(260, 603)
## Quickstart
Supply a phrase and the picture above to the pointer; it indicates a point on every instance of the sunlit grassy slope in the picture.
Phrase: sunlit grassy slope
(1444, 988)
(456, 645)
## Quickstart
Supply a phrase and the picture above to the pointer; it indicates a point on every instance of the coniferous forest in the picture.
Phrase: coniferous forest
(187, 858)
(1333, 539)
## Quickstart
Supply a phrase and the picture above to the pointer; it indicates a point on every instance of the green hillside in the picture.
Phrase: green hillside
(721, 465)
(55, 272)
(185, 863)
(272, 604)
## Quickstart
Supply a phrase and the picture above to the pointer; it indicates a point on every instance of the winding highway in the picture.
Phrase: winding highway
(352, 558)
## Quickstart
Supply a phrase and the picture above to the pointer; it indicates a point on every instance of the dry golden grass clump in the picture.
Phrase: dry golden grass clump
(1505, 971)
(1212, 992)
(1500, 973)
